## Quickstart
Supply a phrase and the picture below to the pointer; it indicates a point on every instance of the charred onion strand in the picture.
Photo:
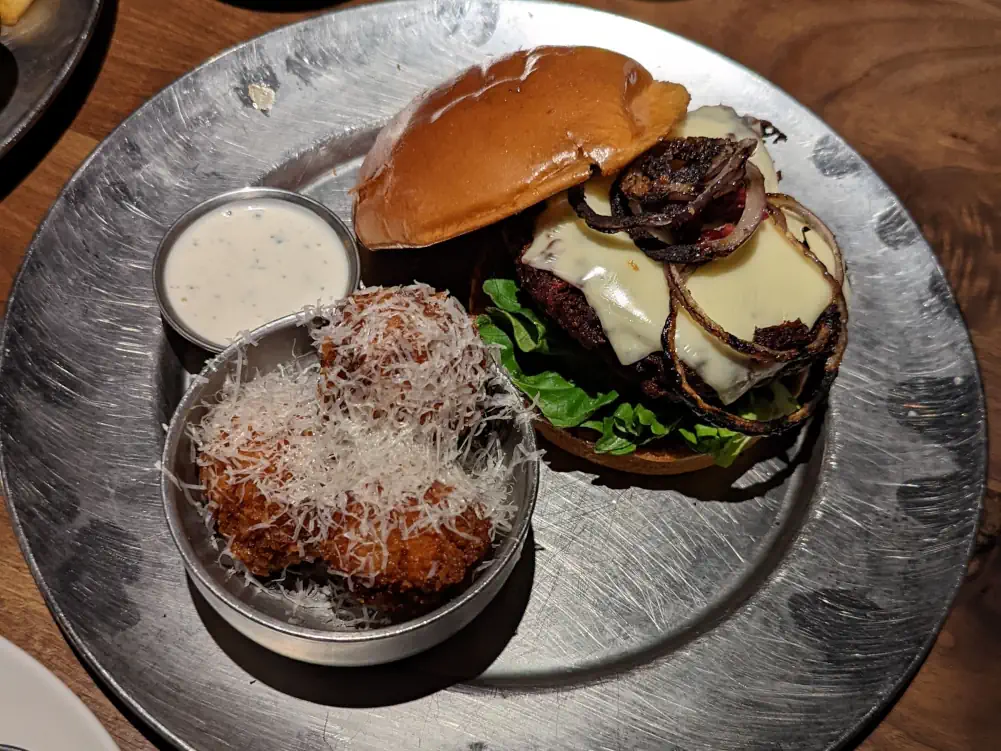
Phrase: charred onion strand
(672, 187)
(822, 355)
(677, 277)
(821, 375)
(755, 206)
(695, 170)
(794, 207)
(674, 216)
(764, 128)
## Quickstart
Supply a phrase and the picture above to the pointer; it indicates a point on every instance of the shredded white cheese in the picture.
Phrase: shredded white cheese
(394, 433)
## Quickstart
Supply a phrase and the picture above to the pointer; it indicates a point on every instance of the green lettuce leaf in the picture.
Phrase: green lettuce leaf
(723, 445)
(564, 404)
(726, 445)
(627, 428)
(610, 442)
(623, 427)
(528, 329)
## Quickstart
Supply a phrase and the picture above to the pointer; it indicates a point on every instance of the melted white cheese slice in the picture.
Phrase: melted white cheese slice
(728, 372)
(820, 248)
(765, 282)
(626, 288)
(722, 122)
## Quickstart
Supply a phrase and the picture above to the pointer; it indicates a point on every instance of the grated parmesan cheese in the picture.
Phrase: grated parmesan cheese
(391, 440)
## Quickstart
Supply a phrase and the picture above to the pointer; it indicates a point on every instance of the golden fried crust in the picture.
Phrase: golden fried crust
(396, 342)
(386, 357)
(430, 561)
(238, 509)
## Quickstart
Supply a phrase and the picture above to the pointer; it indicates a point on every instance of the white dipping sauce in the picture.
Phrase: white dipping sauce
(249, 262)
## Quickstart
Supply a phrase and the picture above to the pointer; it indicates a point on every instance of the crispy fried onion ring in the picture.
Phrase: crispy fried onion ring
(819, 354)
(670, 188)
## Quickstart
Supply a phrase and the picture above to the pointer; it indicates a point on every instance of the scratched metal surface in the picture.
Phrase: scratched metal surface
(777, 606)
(36, 58)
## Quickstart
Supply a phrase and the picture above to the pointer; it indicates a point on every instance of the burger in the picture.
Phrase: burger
(658, 299)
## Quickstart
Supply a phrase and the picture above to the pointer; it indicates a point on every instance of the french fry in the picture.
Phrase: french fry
(12, 10)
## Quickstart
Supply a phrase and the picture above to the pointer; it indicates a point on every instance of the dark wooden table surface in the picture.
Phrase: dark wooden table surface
(914, 85)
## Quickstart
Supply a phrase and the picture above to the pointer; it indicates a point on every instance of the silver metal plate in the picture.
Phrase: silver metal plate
(778, 605)
(36, 57)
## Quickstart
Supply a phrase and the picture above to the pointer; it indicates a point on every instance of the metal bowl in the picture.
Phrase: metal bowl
(270, 620)
(242, 194)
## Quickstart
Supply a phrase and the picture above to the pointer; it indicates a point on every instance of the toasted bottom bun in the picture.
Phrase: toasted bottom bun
(665, 457)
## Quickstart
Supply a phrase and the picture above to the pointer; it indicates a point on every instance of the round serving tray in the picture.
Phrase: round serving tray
(778, 604)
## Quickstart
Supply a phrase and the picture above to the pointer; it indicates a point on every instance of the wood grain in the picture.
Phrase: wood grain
(914, 85)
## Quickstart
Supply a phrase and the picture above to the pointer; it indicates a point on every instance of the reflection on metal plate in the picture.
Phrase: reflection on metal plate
(776, 605)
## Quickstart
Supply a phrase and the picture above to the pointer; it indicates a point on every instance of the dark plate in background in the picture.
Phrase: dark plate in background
(36, 57)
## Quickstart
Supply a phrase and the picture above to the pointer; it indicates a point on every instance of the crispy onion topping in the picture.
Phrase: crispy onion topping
(719, 243)
(764, 128)
(689, 201)
(820, 374)
(674, 200)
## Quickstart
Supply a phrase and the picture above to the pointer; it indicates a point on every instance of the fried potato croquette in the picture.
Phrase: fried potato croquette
(377, 471)
(430, 561)
(246, 518)
(263, 538)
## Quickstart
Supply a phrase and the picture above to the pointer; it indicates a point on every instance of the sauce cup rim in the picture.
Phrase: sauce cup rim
(190, 216)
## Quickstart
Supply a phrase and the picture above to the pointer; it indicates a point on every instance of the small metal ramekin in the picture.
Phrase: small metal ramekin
(270, 620)
(242, 194)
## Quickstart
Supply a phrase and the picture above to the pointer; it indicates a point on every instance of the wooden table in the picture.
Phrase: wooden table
(914, 85)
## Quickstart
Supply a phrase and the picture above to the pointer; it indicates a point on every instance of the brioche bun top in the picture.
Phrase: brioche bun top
(502, 137)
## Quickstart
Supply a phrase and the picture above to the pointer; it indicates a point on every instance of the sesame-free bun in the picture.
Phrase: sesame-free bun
(501, 138)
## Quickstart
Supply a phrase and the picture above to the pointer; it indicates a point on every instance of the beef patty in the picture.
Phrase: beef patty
(567, 306)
